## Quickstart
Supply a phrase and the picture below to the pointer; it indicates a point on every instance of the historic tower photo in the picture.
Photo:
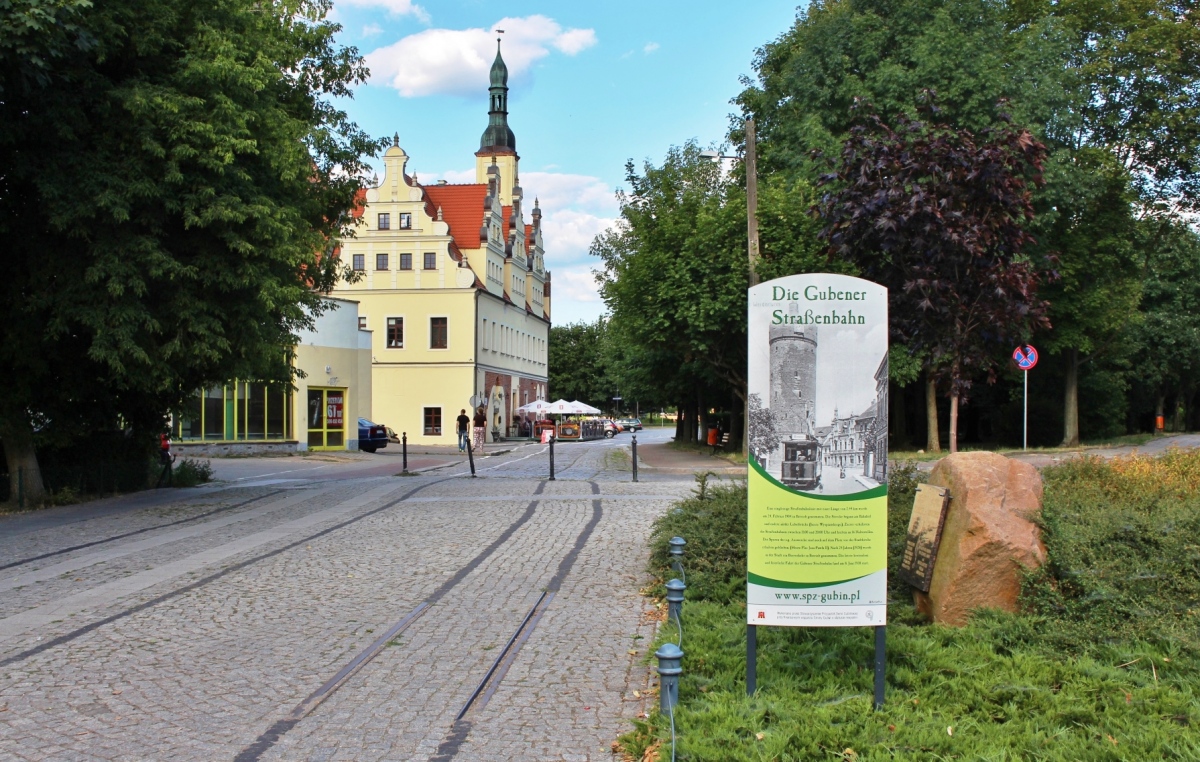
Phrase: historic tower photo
(793, 404)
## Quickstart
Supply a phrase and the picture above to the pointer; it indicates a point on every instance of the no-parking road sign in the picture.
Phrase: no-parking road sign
(1025, 357)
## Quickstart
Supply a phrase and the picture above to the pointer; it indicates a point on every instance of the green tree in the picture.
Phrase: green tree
(577, 367)
(675, 277)
(174, 177)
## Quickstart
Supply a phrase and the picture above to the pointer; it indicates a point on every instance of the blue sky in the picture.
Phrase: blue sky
(591, 85)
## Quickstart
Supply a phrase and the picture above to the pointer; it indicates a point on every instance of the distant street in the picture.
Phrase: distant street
(316, 609)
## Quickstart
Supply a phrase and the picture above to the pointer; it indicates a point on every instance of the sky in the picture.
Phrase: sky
(591, 86)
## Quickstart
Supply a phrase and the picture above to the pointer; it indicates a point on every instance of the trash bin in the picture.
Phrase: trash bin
(714, 435)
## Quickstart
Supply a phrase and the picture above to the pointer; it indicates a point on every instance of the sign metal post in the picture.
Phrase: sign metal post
(1025, 357)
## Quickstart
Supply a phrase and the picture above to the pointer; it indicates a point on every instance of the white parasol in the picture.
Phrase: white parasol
(537, 406)
(583, 407)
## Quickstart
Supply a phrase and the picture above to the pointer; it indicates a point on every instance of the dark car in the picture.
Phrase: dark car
(371, 436)
(631, 424)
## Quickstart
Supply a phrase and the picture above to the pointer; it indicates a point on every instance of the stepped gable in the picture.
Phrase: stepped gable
(462, 209)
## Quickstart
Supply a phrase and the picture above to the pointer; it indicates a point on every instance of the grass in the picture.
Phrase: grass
(1103, 664)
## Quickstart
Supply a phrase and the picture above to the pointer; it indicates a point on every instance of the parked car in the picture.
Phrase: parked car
(631, 424)
(371, 436)
(392, 435)
(611, 428)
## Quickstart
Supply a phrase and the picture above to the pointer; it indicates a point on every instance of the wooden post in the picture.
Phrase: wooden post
(752, 199)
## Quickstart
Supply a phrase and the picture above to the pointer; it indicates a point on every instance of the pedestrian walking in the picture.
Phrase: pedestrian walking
(167, 459)
(480, 425)
(464, 424)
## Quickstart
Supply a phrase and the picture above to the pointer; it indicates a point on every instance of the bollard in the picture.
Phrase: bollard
(404, 450)
(552, 438)
(675, 590)
(471, 458)
(635, 457)
(670, 658)
(676, 550)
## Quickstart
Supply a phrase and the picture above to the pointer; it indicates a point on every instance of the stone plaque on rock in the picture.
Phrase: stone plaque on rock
(924, 535)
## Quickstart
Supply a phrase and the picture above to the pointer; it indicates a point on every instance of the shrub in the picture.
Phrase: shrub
(189, 473)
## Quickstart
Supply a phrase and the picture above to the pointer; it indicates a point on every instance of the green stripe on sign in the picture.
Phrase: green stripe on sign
(768, 582)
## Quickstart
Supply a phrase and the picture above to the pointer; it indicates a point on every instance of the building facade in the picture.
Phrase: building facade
(331, 392)
(453, 287)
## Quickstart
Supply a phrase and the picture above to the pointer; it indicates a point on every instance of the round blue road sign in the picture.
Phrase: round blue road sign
(1025, 357)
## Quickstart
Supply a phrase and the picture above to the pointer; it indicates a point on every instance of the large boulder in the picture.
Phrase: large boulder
(989, 535)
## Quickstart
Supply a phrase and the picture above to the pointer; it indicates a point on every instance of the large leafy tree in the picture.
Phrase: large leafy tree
(675, 276)
(172, 178)
(577, 367)
(938, 216)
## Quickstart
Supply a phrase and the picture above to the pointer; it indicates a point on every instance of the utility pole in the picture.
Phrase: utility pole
(752, 199)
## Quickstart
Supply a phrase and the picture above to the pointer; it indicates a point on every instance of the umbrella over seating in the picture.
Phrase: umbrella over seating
(562, 407)
(583, 407)
(537, 406)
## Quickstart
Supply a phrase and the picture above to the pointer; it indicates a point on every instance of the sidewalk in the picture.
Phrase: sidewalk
(662, 458)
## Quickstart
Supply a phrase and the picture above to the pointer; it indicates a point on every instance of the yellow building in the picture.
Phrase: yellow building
(453, 288)
(321, 413)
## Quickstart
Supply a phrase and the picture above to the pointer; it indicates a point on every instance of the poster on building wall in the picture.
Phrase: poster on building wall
(335, 402)
(817, 406)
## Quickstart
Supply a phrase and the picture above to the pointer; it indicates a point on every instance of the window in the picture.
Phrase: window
(385, 221)
(437, 333)
(406, 261)
(405, 221)
(381, 261)
(360, 261)
(433, 421)
(483, 334)
(362, 323)
(430, 260)
(395, 333)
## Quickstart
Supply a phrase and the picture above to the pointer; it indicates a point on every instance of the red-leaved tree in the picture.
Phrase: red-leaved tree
(937, 215)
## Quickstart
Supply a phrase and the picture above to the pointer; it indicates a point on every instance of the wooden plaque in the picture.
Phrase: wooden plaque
(924, 535)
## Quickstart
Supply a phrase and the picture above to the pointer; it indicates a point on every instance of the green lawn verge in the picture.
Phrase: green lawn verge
(1103, 664)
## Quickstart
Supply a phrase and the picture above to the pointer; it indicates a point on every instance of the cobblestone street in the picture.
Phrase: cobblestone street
(433, 617)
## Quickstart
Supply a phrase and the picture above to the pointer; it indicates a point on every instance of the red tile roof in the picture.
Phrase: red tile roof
(462, 209)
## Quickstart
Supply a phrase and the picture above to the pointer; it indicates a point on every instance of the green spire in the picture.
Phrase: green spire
(498, 136)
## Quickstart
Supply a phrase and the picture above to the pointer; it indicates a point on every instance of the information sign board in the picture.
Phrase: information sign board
(924, 535)
(817, 406)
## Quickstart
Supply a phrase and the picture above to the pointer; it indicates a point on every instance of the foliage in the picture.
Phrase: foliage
(1059, 686)
(176, 175)
(764, 437)
(190, 473)
(937, 216)
(577, 367)
(1124, 545)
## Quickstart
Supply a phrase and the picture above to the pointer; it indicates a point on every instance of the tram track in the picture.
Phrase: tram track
(208, 579)
(135, 532)
(496, 672)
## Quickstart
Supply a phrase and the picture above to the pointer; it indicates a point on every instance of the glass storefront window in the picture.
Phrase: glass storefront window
(326, 418)
(242, 411)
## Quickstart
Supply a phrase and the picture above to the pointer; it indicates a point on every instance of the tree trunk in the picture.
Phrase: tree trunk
(702, 419)
(932, 443)
(954, 423)
(1177, 419)
(679, 422)
(1071, 401)
(24, 474)
(897, 431)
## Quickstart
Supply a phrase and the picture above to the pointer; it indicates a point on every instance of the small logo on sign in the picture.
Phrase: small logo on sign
(762, 615)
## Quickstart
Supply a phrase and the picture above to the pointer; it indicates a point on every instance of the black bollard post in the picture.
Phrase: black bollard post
(635, 457)
(471, 458)
(404, 450)
(552, 438)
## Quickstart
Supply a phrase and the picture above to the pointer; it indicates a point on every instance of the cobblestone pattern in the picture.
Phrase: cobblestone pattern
(201, 675)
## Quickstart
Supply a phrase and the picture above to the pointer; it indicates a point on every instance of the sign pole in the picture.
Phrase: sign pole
(751, 659)
(1025, 426)
(880, 664)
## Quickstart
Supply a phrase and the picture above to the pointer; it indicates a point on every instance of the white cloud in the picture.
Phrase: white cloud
(394, 7)
(557, 190)
(574, 284)
(370, 30)
(457, 61)
(650, 48)
(568, 233)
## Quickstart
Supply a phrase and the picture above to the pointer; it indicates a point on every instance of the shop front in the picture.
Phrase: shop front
(242, 411)
(326, 418)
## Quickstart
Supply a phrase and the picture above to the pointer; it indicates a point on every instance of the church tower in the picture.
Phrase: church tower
(498, 145)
